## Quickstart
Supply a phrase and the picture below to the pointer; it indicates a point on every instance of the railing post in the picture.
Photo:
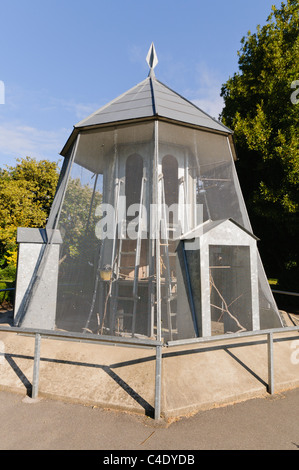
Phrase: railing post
(270, 364)
(35, 379)
(158, 382)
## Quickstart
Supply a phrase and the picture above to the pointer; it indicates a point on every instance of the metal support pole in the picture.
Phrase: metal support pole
(36, 366)
(270, 364)
(158, 382)
(157, 233)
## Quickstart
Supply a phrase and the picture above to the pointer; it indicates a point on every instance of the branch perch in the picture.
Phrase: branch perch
(226, 309)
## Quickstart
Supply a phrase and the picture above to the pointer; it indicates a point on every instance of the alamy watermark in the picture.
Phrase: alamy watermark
(295, 353)
(295, 94)
(2, 92)
(2, 353)
(146, 222)
(153, 222)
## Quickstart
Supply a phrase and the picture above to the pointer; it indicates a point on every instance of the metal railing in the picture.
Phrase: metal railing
(285, 292)
(145, 343)
(244, 334)
(89, 338)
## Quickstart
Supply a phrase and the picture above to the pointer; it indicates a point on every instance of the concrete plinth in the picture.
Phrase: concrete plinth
(194, 378)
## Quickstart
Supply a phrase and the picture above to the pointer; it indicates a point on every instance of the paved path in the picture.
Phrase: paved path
(262, 424)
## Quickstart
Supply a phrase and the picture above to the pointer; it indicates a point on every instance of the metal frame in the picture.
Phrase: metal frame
(139, 343)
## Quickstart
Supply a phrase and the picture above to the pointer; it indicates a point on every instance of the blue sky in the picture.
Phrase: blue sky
(60, 60)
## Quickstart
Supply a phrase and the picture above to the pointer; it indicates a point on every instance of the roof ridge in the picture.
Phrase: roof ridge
(152, 79)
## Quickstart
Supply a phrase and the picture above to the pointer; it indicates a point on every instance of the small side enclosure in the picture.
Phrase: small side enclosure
(148, 236)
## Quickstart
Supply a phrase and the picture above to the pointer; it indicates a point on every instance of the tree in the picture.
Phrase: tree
(77, 220)
(26, 194)
(265, 120)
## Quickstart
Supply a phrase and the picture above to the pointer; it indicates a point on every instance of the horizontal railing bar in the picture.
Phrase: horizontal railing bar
(113, 340)
(285, 292)
(243, 334)
(90, 338)
(98, 342)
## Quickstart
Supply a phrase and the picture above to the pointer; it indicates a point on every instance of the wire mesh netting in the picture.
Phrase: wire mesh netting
(80, 248)
(230, 289)
(127, 196)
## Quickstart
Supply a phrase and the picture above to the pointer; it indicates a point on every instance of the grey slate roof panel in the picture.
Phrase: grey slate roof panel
(174, 106)
(120, 115)
(138, 97)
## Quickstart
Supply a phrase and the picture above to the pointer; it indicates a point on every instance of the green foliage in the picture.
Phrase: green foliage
(78, 220)
(8, 273)
(6, 297)
(265, 121)
(26, 194)
(2, 294)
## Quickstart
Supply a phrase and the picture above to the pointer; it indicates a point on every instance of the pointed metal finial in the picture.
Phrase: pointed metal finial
(152, 58)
